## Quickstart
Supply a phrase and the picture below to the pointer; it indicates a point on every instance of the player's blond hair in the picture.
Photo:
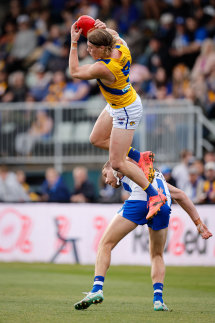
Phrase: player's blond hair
(101, 37)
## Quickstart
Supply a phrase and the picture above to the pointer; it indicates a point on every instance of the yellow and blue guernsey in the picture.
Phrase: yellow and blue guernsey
(121, 93)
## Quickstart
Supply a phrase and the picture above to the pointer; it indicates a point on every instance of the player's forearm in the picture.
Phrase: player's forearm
(183, 200)
(188, 206)
(73, 59)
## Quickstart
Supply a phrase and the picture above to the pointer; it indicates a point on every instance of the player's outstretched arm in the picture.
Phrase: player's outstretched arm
(183, 200)
(84, 72)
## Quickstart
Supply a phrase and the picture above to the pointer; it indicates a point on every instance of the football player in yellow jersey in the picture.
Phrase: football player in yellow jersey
(114, 128)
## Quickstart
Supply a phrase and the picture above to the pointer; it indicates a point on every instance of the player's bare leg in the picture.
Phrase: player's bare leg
(117, 230)
(100, 135)
(157, 243)
(119, 145)
(120, 142)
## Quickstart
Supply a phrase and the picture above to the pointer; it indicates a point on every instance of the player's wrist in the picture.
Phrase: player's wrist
(198, 221)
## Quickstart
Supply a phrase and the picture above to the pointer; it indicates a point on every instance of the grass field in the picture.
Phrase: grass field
(46, 293)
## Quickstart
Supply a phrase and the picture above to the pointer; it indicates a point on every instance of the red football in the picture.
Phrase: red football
(85, 23)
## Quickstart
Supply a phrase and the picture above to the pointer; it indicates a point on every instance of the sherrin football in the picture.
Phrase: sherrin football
(86, 23)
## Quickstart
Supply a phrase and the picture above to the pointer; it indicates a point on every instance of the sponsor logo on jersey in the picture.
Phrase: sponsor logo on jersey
(132, 123)
(126, 88)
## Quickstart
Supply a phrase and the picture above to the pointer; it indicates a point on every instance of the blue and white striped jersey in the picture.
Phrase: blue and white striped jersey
(137, 193)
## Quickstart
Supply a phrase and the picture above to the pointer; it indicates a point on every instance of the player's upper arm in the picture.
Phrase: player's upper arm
(90, 71)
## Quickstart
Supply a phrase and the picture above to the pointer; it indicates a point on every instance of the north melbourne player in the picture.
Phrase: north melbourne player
(132, 214)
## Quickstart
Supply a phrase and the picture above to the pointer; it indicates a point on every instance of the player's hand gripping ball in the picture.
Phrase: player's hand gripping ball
(86, 23)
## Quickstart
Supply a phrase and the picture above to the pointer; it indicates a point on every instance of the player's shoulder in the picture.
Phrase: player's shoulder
(100, 68)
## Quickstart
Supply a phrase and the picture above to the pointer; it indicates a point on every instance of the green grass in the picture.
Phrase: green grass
(46, 293)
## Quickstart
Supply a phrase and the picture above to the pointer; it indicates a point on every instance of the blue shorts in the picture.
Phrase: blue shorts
(136, 211)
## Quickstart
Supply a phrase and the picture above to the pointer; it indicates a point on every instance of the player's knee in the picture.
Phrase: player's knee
(105, 245)
(93, 140)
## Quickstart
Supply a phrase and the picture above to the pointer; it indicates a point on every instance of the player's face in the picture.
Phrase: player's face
(110, 179)
(95, 52)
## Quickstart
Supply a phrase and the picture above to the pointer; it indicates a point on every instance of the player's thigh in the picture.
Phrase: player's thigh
(117, 229)
(157, 239)
(120, 142)
(103, 126)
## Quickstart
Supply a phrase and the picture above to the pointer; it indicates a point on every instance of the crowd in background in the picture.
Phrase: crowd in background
(195, 177)
(173, 49)
(172, 46)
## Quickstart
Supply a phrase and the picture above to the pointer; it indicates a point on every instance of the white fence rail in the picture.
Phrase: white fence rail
(166, 128)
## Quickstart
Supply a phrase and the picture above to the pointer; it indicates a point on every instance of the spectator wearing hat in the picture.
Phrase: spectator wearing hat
(209, 184)
(167, 173)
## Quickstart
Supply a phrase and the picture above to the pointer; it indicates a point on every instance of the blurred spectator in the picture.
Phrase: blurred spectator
(40, 129)
(205, 61)
(158, 81)
(167, 173)
(76, 90)
(59, 62)
(135, 41)
(24, 43)
(126, 15)
(38, 81)
(180, 172)
(108, 194)
(140, 77)
(187, 43)
(105, 10)
(209, 183)
(41, 23)
(156, 55)
(14, 10)
(52, 47)
(21, 178)
(10, 189)
(181, 38)
(180, 81)
(7, 39)
(199, 165)
(152, 9)
(56, 88)
(3, 83)
(84, 190)
(209, 103)
(87, 8)
(209, 156)
(166, 29)
(17, 88)
(53, 188)
(194, 186)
